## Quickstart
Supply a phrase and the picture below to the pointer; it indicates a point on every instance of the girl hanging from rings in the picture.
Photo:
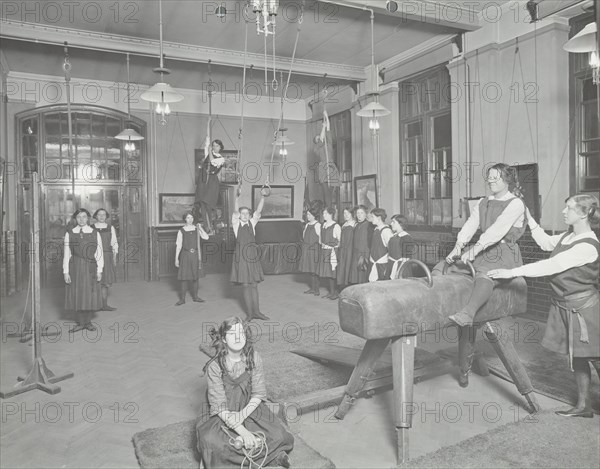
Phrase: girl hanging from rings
(501, 218)
(236, 395)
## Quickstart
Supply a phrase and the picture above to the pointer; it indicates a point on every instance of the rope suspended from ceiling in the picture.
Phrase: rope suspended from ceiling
(67, 71)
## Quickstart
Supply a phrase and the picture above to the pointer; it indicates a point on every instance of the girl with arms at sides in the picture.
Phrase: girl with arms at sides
(330, 240)
(311, 252)
(379, 245)
(573, 326)
(401, 247)
(236, 391)
(345, 249)
(83, 263)
(111, 249)
(501, 218)
(187, 258)
(246, 267)
(361, 242)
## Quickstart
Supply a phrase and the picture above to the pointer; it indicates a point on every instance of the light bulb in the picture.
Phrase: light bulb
(167, 109)
(283, 151)
(374, 125)
(594, 60)
(158, 108)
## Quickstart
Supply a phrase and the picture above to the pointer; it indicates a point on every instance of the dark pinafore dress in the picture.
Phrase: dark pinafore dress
(213, 442)
(109, 273)
(400, 247)
(188, 256)
(311, 251)
(360, 248)
(328, 261)
(207, 186)
(573, 326)
(379, 250)
(84, 292)
(503, 255)
(345, 255)
(246, 266)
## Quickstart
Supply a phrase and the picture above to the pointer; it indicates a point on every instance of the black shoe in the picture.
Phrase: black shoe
(108, 308)
(180, 302)
(586, 414)
(328, 296)
(463, 379)
(310, 291)
(90, 327)
(198, 300)
(260, 316)
(76, 328)
(334, 296)
(283, 460)
(461, 319)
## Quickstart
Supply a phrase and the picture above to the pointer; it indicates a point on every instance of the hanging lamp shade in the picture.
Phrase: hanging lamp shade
(129, 134)
(161, 92)
(584, 41)
(283, 140)
(373, 109)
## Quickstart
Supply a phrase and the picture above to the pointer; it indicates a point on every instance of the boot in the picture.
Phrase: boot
(255, 304)
(466, 353)
(194, 292)
(80, 324)
(482, 290)
(182, 289)
(105, 306)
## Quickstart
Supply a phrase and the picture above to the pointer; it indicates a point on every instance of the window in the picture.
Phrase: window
(341, 135)
(426, 149)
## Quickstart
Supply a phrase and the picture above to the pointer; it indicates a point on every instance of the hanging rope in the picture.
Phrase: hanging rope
(512, 80)
(67, 70)
(208, 141)
(285, 88)
(241, 134)
(533, 147)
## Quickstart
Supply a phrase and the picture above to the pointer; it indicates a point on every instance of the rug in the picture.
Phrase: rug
(544, 440)
(174, 446)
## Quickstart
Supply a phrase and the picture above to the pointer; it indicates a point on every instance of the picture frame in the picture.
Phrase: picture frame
(365, 191)
(229, 171)
(172, 207)
(280, 204)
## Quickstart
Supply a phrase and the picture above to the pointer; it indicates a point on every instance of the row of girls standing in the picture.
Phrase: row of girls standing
(338, 254)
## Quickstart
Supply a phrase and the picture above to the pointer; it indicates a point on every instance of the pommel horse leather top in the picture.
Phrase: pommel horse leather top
(402, 307)
(396, 310)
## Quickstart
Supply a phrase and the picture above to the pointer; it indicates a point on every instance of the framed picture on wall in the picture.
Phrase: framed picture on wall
(365, 191)
(172, 207)
(280, 204)
(229, 172)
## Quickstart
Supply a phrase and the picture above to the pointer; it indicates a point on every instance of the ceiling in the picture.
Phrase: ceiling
(334, 43)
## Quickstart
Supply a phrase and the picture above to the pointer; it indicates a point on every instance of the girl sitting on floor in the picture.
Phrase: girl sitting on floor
(236, 391)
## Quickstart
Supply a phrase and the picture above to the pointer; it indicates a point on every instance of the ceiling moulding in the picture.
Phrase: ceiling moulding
(450, 15)
(174, 51)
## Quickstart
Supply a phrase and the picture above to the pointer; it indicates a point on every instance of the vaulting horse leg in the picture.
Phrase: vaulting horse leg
(366, 362)
(508, 355)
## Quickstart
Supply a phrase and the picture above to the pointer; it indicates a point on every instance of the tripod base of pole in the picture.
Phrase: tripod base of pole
(40, 377)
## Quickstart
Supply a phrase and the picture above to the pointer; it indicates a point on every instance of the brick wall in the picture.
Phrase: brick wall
(539, 291)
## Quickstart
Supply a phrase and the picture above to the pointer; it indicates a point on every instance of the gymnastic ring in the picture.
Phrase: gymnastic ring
(468, 263)
(419, 263)
(265, 190)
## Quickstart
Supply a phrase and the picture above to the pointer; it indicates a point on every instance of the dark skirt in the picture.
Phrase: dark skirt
(208, 191)
(246, 266)
(188, 265)
(309, 258)
(556, 337)
(84, 293)
(324, 267)
(500, 256)
(109, 273)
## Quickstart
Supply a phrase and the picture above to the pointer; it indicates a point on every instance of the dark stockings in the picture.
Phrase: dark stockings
(105, 306)
(482, 290)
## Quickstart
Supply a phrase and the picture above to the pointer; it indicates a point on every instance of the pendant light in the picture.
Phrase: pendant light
(585, 42)
(283, 141)
(373, 110)
(129, 135)
(162, 93)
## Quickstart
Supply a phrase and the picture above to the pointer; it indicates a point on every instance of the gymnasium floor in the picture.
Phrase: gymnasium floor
(142, 369)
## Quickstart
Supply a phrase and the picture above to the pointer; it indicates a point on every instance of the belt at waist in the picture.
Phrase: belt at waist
(584, 300)
(192, 250)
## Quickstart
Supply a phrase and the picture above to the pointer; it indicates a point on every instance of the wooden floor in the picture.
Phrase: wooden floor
(140, 370)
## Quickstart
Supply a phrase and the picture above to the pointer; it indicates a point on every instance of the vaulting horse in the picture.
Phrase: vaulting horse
(399, 310)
